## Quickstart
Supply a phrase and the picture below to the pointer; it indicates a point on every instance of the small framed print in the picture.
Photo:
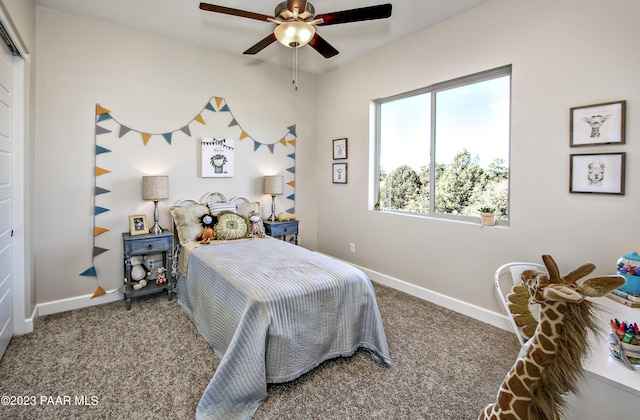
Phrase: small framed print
(138, 224)
(340, 149)
(339, 173)
(597, 173)
(598, 124)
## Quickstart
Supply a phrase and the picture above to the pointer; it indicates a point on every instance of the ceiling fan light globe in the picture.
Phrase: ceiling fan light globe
(294, 34)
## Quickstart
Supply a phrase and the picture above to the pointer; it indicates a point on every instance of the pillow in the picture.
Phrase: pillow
(245, 210)
(187, 221)
(231, 226)
(218, 207)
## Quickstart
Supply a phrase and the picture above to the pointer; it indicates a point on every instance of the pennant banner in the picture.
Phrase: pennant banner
(215, 104)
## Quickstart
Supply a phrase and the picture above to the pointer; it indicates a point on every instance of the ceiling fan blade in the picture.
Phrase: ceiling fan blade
(234, 12)
(264, 43)
(323, 47)
(381, 11)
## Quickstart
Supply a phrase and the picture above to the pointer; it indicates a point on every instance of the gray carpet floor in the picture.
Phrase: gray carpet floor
(104, 362)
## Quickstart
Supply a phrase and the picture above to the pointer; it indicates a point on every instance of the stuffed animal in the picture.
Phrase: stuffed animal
(162, 276)
(139, 272)
(208, 233)
(284, 217)
(257, 230)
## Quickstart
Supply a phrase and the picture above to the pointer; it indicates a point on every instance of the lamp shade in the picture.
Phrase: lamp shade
(273, 184)
(294, 34)
(155, 187)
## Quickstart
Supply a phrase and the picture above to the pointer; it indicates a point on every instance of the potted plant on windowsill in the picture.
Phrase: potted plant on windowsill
(487, 216)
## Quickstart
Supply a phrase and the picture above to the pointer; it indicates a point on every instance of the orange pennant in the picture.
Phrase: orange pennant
(99, 230)
(292, 183)
(145, 138)
(292, 142)
(100, 110)
(199, 119)
(219, 102)
(99, 292)
(283, 141)
(101, 171)
(243, 135)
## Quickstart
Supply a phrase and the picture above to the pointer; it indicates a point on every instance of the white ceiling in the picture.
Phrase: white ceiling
(183, 20)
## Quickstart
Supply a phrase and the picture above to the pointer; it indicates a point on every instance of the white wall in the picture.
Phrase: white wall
(564, 54)
(150, 84)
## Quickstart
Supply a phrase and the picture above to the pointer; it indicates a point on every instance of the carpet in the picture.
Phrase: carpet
(150, 363)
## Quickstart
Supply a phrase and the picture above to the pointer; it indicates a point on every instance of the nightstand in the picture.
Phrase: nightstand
(149, 244)
(287, 231)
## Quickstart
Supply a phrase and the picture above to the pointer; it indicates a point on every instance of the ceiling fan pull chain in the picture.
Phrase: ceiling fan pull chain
(295, 68)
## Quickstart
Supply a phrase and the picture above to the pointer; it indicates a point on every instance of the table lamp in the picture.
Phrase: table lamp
(273, 185)
(155, 188)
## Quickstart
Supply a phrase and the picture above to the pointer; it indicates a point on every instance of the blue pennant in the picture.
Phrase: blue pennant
(100, 150)
(89, 272)
(99, 210)
(292, 130)
(225, 108)
(292, 156)
(167, 137)
(103, 117)
(210, 107)
(256, 145)
(292, 197)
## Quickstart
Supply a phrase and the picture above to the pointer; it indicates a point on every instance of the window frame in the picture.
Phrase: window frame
(433, 90)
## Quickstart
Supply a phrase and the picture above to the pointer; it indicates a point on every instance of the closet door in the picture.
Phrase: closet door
(6, 231)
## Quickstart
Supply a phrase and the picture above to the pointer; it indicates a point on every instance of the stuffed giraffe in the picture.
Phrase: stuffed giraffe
(550, 365)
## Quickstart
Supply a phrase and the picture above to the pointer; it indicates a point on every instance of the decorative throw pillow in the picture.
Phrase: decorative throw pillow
(231, 226)
(187, 221)
(218, 207)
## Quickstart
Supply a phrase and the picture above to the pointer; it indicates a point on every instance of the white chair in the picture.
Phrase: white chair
(507, 276)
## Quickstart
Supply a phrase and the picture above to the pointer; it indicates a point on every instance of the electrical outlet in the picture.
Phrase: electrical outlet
(352, 247)
(149, 263)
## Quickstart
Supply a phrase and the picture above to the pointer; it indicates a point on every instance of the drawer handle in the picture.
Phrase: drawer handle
(150, 247)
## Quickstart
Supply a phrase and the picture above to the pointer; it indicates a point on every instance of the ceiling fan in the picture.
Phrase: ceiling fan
(296, 20)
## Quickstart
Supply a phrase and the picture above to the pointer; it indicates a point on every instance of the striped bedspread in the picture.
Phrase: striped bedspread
(273, 311)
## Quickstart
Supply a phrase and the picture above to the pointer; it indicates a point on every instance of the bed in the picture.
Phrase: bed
(270, 310)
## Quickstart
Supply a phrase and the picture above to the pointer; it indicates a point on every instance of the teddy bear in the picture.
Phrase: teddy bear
(139, 272)
(257, 230)
(208, 233)
(161, 275)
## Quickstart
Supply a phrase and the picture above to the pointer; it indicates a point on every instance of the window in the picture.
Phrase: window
(444, 150)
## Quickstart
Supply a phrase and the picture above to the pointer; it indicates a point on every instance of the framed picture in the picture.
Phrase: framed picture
(597, 173)
(598, 124)
(217, 158)
(138, 224)
(339, 173)
(340, 149)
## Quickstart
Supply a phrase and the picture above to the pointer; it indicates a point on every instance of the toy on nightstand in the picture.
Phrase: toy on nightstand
(139, 272)
(208, 233)
(162, 275)
(257, 230)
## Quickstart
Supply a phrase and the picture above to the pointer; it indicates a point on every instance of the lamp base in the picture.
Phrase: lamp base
(156, 228)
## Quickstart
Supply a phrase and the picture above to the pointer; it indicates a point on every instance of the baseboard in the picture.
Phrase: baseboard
(465, 308)
(63, 305)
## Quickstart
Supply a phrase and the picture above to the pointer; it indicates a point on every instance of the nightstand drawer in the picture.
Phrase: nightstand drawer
(283, 228)
(147, 245)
